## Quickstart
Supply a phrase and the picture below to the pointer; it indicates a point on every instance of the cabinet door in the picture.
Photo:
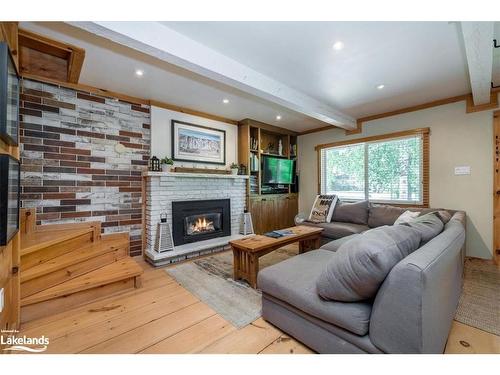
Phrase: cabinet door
(292, 210)
(255, 211)
(281, 214)
(267, 214)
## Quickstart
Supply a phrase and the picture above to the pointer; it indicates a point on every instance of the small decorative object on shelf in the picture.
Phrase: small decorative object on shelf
(164, 240)
(154, 164)
(234, 168)
(280, 147)
(166, 164)
(242, 170)
(246, 224)
(300, 218)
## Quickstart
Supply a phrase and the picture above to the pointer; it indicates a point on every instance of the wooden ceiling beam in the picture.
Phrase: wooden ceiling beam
(164, 43)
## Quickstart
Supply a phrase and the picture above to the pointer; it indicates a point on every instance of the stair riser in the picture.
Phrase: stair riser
(59, 276)
(57, 305)
(51, 252)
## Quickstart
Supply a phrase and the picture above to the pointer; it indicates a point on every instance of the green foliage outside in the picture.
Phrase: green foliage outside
(393, 170)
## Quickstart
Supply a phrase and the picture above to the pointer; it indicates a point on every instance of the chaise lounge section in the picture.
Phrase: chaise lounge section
(412, 311)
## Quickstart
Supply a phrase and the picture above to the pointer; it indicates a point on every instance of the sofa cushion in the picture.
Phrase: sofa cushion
(381, 214)
(406, 217)
(359, 266)
(337, 230)
(356, 212)
(294, 281)
(428, 225)
(335, 244)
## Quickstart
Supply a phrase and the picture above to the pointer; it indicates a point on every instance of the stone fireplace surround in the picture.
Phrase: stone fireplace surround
(163, 188)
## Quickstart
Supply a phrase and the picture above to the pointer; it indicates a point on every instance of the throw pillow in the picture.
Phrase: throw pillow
(444, 215)
(406, 217)
(322, 209)
(356, 212)
(428, 225)
(359, 266)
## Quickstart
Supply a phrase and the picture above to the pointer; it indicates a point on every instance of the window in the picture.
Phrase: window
(392, 168)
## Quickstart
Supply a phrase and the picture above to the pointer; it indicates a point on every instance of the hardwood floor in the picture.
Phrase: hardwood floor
(164, 318)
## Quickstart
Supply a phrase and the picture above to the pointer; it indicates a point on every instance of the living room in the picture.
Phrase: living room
(260, 187)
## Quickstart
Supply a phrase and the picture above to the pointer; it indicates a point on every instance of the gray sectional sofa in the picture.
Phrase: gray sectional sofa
(410, 312)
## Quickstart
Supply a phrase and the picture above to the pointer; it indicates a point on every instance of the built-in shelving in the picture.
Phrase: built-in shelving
(255, 141)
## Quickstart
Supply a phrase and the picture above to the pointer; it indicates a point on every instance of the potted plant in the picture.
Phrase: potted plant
(234, 168)
(166, 164)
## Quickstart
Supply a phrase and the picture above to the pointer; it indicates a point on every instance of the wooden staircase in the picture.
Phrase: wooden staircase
(66, 265)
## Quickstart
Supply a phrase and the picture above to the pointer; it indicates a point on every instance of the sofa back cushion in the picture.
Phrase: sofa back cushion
(360, 265)
(381, 214)
(428, 225)
(356, 212)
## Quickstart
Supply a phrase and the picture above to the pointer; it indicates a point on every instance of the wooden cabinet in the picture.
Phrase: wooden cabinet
(271, 212)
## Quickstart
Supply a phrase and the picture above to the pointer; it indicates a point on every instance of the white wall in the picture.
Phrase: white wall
(161, 135)
(456, 139)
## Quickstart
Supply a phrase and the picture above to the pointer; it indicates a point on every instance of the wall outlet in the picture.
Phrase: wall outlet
(462, 170)
(2, 294)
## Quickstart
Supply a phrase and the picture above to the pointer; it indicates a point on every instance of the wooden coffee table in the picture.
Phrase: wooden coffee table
(247, 251)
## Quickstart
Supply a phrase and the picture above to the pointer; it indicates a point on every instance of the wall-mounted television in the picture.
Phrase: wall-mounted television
(277, 170)
(9, 198)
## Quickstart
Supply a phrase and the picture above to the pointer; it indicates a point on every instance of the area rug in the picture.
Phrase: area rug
(479, 304)
(210, 279)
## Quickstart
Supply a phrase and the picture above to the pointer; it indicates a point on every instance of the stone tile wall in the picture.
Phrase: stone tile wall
(83, 157)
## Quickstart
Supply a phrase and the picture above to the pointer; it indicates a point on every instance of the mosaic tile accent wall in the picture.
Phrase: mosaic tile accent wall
(83, 157)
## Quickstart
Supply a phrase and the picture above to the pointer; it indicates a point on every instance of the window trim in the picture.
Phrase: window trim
(423, 132)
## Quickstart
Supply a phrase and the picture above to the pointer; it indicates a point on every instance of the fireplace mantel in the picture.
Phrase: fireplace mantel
(193, 175)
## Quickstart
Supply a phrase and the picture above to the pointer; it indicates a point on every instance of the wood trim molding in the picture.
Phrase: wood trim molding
(315, 130)
(470, 107)
(496, 187)
(193, 112)
(128, 98)
(265, 126)
(425, 132)
(400, 134)
(89, 89)
(360, 121)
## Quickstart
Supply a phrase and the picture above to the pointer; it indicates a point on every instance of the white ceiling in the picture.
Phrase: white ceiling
(417, 62)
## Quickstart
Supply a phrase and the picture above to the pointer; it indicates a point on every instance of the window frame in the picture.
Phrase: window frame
(422, 132)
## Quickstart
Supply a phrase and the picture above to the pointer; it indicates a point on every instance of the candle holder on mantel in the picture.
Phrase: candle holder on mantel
(164, 240)
(154, 164)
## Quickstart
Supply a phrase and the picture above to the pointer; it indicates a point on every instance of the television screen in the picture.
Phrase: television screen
(9, 198)
(277, 171)
(9, 97)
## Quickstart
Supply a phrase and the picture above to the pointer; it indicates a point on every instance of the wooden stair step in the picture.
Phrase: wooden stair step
(41, 239)
(73, 264)
(40, 247)
(124, 269)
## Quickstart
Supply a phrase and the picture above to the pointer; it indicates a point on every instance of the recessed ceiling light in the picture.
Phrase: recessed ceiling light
(380, 87)
(139, 72)
(337, 46)
(278, 117)
(225, 101)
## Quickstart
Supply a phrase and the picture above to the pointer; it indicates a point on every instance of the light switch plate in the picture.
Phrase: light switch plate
(2, 294)
(462, 170)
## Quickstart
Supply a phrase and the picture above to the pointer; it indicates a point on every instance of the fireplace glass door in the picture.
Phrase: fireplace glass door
(201, 224)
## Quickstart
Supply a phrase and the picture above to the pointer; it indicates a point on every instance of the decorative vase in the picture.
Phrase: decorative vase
(166, 167)
(234, 171)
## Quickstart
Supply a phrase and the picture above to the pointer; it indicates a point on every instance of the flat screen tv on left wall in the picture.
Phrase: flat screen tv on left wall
(9, 197)
(9, 97)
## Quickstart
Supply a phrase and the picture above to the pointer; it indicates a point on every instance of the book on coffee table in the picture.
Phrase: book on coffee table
(279, 233)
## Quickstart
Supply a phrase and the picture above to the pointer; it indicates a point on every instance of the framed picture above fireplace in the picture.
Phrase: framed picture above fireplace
(198, 144)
